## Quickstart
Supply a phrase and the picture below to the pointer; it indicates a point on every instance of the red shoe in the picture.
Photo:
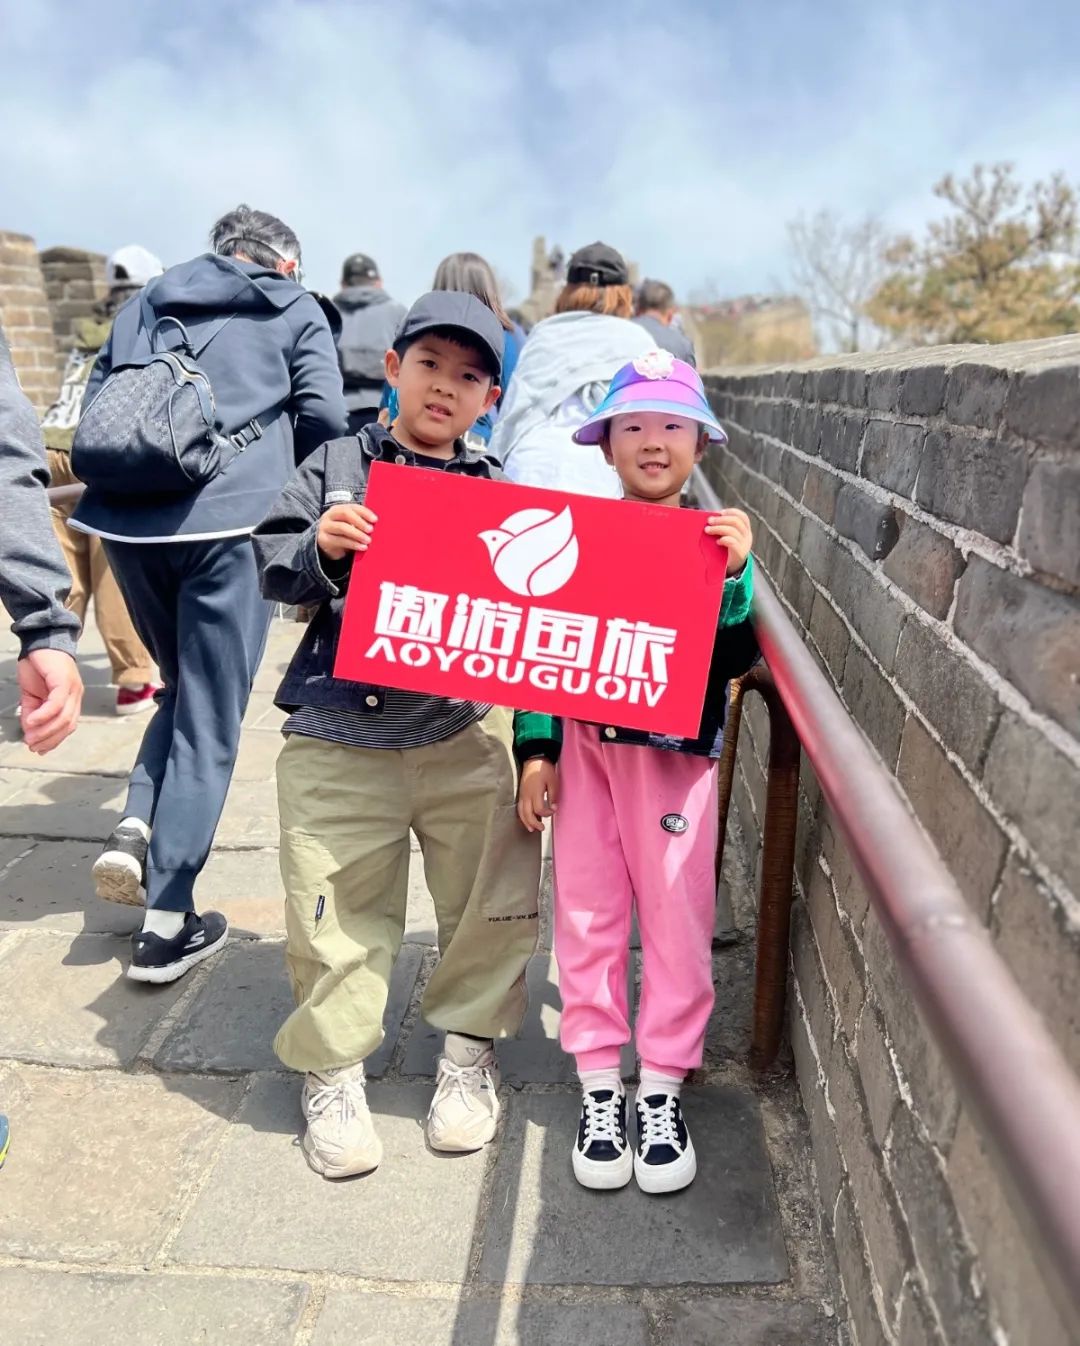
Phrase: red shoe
(131, 700)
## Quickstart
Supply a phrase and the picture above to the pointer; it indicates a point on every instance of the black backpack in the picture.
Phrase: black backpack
(152, 427)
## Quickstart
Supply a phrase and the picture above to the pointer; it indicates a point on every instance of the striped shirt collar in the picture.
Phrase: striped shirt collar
(378, 443)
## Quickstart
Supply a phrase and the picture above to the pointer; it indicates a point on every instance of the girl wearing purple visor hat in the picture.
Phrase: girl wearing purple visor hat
(636, 824)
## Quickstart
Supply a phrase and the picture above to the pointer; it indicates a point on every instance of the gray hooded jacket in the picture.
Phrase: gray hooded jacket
(274, 362)
(34, 580)
(369, 323)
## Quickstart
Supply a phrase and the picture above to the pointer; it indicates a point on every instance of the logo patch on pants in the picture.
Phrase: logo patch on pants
(674, 822)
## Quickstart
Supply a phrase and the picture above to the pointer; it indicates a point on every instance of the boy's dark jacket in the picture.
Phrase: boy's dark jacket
(292, 571)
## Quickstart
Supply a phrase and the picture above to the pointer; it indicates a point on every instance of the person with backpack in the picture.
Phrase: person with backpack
(369, 323)
(215, 383)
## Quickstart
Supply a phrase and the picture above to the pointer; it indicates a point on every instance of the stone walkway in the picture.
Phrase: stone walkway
(155, 1192)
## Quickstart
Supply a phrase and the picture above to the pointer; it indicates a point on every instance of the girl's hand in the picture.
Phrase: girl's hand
(344, 528)
(731, 528)
(538, 793)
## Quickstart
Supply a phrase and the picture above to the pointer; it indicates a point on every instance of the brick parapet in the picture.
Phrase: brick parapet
(74, 284)
(26, 320)
(919, 514)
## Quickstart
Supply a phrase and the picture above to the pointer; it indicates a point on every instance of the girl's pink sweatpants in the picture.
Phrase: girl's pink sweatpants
(634, 824)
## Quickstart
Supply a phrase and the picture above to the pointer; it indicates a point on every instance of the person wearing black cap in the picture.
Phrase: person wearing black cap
(370, 320)
(563, 374)
(364, 764)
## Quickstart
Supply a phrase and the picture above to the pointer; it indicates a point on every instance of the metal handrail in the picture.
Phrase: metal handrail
(1011, 1073)
(777, 854)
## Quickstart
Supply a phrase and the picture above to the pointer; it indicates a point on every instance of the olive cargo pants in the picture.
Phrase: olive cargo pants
(345, 819)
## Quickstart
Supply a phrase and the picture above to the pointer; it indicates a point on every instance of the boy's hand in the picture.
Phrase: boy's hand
(731, 528)
(344, 528)
(538, 793)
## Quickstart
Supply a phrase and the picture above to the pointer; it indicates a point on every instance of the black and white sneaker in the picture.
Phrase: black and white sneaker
(156, 959)
(603, 1158)
(665, 1159)
(120, 870)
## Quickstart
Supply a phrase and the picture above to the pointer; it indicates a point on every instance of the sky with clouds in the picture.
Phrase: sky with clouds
(686, 133)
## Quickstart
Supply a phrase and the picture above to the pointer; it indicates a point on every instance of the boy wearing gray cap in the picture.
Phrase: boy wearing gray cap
(364, 764)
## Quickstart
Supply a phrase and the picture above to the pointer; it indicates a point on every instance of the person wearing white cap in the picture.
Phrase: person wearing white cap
(126, 271)
(130, 268)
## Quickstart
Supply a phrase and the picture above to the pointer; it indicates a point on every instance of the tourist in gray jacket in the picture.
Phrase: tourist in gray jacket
(369, 323)
(185, 565)
(34, 579)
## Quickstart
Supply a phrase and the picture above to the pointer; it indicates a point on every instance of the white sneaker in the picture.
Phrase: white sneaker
(602, 1157)
(665, 1160)
(340, 1139)
(465, 1110)
(119, 872)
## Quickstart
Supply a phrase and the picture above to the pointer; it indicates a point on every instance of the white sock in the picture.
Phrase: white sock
(658, 1082)
(607, 1078)
(464, 1050)
(167, 924)
(329, 1075)
(138, 825)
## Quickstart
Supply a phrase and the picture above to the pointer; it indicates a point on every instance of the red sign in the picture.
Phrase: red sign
(598, 610)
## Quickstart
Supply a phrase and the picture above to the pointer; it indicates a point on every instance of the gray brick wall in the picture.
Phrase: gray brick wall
(920, 516)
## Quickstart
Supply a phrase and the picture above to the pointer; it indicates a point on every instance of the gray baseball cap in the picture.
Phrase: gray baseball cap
(453, 308)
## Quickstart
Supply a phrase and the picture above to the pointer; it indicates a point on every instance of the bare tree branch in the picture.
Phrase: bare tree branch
(837, 268)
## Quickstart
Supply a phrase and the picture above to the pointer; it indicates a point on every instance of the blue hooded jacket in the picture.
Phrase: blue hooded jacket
(275, 361)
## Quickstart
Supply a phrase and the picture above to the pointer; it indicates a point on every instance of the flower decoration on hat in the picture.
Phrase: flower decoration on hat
(655, 365)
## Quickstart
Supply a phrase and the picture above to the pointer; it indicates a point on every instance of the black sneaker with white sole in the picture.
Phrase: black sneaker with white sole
(120, 870)
(156, 959)
(665, 1160)
(603, 1159)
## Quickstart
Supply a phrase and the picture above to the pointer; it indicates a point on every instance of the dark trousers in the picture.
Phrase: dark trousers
(363, 416)
(198, 610)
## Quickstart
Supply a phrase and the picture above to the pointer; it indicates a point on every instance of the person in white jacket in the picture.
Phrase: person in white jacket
(563, 374)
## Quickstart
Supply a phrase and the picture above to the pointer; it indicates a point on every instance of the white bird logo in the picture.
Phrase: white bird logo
(533, 552)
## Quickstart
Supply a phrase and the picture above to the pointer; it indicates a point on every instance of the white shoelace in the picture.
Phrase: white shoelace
(467, 1081)
(602, 1120)
(348, 1094)
(658, 1124)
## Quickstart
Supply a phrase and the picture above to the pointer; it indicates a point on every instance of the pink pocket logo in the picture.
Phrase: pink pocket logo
(534, 552)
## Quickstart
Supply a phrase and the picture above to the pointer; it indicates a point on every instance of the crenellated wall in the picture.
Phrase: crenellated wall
(26, 319)
(74, 284)
(42, 297)
(920, 515)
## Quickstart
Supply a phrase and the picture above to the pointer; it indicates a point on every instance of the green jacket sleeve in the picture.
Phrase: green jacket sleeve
(536, 735)
(738, 591)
